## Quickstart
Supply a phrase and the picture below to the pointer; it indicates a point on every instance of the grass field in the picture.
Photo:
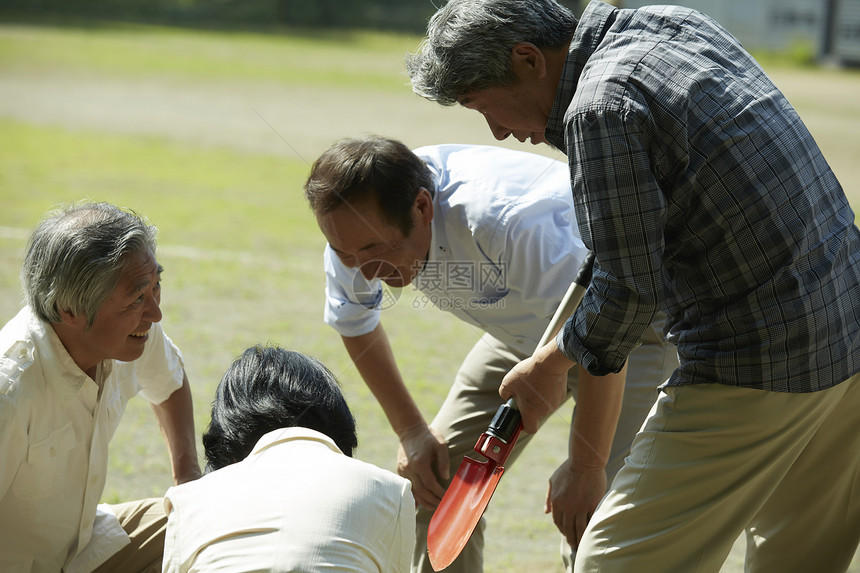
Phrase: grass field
(210, 134)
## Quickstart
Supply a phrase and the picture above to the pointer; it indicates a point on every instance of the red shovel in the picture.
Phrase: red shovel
(473, 485)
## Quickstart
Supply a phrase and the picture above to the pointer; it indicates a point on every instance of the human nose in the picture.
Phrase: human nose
(498, 131)
(152, 308)
(371, 269)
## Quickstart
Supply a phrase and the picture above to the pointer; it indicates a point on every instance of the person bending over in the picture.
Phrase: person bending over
(282, 491)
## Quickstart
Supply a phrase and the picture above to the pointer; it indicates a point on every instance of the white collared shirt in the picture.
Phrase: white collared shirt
(54, 435)
(295, 504)
(505, 247)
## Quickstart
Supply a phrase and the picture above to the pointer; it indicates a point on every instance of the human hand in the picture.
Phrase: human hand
(422, 458)
(539, 384)
(572, 497)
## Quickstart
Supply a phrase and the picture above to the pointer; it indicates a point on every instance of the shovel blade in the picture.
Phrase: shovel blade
(460, 510)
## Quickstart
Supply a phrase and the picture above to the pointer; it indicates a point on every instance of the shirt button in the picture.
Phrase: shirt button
(52, 452)
(94, 480)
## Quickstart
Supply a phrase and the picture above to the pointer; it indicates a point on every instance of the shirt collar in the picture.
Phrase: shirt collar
(295, 433)
(592, 27)
(437, 239)
(62, 375)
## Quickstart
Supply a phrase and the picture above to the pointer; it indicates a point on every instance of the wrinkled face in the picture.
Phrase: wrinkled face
(121, 326)
(509, 110)
(362, 239)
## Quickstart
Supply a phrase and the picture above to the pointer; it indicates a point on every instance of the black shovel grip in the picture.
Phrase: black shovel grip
(505, 422)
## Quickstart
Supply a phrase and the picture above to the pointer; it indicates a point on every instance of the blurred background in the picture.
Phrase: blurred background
(819, 30)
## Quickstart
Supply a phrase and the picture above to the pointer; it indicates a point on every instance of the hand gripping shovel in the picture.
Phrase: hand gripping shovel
(473, 485)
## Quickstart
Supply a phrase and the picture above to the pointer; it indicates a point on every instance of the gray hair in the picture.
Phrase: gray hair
(76, 255)
(469, 44)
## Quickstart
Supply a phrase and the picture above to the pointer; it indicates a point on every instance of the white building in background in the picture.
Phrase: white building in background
(845, 35)
(830, 28)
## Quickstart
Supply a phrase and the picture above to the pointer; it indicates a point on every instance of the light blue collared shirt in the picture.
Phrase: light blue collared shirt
(504, 250)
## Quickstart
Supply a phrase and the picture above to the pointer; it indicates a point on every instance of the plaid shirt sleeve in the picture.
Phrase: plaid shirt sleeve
(625, 208)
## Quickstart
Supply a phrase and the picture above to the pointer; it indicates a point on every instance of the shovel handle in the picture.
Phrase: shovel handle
(566, 307)
(569, 301)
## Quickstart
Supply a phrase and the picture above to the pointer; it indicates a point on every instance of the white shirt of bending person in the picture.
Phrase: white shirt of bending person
(295, 504)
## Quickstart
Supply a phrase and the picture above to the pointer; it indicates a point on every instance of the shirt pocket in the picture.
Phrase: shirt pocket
(47, 460)
(114, 408)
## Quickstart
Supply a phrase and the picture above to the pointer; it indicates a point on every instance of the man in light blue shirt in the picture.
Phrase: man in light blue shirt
(489, 235)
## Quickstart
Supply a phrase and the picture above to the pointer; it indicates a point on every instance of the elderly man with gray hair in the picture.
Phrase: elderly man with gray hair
(87, 340)
(702, 194)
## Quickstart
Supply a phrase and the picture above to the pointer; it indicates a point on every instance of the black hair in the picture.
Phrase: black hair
(269, 388)
(369, 168)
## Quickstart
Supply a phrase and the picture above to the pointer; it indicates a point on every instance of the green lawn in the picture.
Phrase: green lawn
(210, 135)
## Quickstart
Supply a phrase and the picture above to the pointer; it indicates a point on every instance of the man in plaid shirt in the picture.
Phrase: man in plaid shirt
(700, 192)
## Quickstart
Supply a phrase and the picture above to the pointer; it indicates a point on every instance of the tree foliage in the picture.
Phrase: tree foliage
(402, 15)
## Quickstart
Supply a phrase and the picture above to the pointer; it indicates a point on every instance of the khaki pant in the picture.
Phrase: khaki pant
(712, 461)
(145, 522)
(474, 399)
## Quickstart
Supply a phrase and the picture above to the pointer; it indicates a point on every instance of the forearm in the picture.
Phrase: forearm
(176, 419)
(578, 485)
(598, 405)
(372, 355)
(422, 456)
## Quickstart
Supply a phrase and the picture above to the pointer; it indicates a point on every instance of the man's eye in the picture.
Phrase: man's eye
(385, 250)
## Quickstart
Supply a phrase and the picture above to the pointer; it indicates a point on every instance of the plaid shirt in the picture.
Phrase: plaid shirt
(699, 189)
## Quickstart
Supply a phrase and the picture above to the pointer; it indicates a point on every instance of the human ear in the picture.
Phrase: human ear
(69, 318)
(424, 204)
(528, 58)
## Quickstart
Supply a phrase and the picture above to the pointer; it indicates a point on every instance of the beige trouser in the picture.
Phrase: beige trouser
(474, 399)
(712, 461)
(145, 522)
